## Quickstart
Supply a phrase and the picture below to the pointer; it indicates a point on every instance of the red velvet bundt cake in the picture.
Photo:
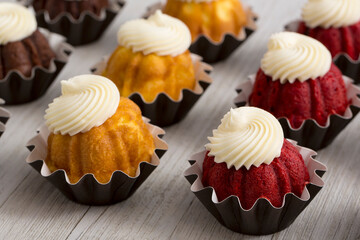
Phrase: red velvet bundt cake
(248, 157)
(285, 174)
(334, 23)
(337, 40)
(22, 46)
(298, 80)
(74, 7)
(313, 99)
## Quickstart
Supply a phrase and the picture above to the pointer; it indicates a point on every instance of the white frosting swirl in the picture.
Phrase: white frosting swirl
(16, 22)
(331, 13)
(247, 136)
(292, 56)
(87, 101)
(159, 34)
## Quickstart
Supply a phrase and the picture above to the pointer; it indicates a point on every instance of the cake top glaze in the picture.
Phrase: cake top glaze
(16, 22)
(247, 136)
(331, 13)
(87, 101)
(293, 56)
(159, 34)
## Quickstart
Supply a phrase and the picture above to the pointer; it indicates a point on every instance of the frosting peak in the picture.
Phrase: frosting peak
(16, 22)
(331, 13)
(247, 136)
(159, 34)
(292, 56)
(87, 101)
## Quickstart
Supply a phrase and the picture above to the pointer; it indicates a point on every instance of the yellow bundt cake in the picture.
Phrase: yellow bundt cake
(150, 74)
(152, 58)
(212, 18)
(121, 142)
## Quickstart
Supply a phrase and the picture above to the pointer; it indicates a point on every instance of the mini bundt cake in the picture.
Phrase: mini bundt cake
(248, 157)
(74, 7)
(334, 23)
(286, 174)
(337, 40)
(26, 54)
(213, 19)
(313, 99)
(22, 46)
(150, 74)
(152, 58)
(87, 136)
(297, 80)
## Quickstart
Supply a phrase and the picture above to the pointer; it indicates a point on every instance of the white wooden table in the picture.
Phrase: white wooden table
(163, 207)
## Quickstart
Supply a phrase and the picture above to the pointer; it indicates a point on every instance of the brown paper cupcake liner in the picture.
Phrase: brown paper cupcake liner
(4, 117)
(263, 218)
(310, 134)
(211, 51)
(88, 190)
(15, 88)
(164, 111)
(88, 28)
(343, 61)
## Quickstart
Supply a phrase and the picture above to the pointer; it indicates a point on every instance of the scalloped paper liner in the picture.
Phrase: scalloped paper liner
(88, 28)
(88, 190)
(310, 133)
(211, 51)
(164, 111)
(263, 218)
(15, 88)
(343, 61)
(4, 117)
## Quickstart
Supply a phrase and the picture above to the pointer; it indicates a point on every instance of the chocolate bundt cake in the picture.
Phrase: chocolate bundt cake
(214, 19)
(22, 46)
(25, 54)
(74, 7)
(312, 99)
(285, 174)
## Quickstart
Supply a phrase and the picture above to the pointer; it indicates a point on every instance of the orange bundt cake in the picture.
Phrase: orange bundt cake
(152, 58)
(95, 131)
(22, 46)
(212, 18)
(248, 157)
(73, 7)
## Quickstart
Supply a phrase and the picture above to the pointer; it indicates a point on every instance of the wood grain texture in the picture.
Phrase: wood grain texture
(164, 207)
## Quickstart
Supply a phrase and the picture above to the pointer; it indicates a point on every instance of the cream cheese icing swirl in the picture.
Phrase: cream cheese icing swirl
(87, 101)
(331, 13)
(16, 22)
(159, 34)
(292, 56)
(247, 136)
